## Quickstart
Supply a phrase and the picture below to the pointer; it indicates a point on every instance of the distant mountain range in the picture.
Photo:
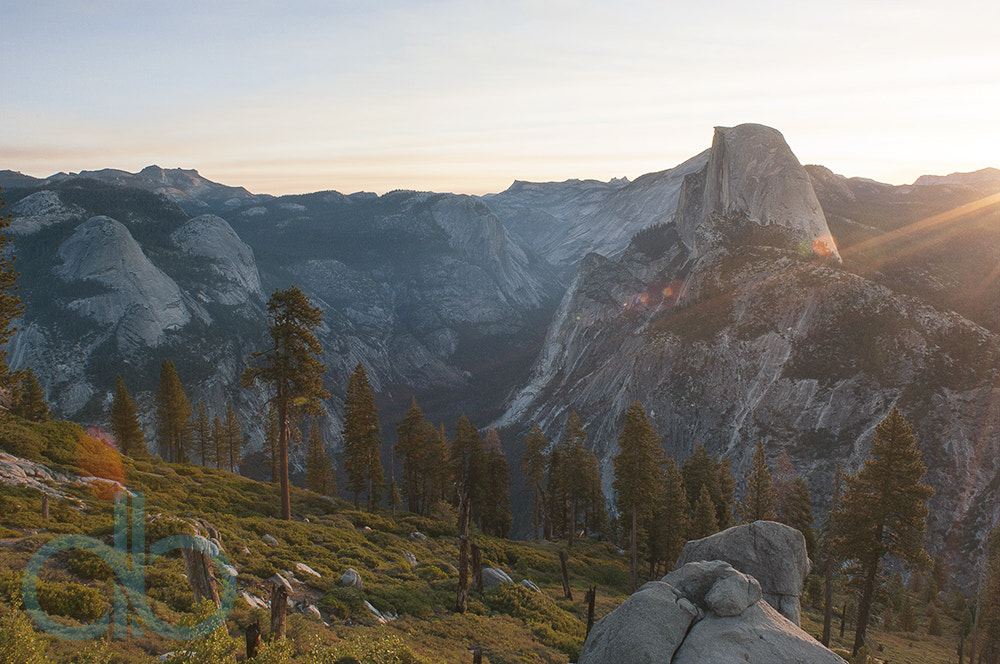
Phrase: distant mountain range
(740, 296)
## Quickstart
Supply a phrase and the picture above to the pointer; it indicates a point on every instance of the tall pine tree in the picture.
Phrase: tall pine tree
(758, 500)
(30, 402)
(173, 415)
(362, 440)
(412, 446)
(124, 423)
(670, 526)
(468, 463)
(533, 471)
(883, 511)
(217, 446)
(292, 370)
(495, 515)
(639, 477)
(201, 436)
(233, 437)
(319, 470)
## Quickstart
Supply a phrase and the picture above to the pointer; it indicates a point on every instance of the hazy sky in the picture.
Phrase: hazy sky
(467, 96)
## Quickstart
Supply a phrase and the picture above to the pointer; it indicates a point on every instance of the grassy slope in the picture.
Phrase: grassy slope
(511, 624)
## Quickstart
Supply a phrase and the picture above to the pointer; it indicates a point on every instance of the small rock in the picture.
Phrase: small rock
(494, 577)
(279, 580)
(351, 578)
(313, 611)
(415, 535)
(302, 567)
(270, 540)
(410, 558)
(530, 585)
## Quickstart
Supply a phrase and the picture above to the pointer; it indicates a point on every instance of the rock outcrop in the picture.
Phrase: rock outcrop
(704, 611)
(211, 237)
(773, 553)
(141, 301)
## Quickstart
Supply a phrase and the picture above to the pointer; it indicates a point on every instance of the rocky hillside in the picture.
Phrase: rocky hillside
(737, 321)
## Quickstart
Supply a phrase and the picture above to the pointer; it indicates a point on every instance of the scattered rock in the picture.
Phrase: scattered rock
(302, 567)
(255, 602)
(530, 585)
(351, 578)
(313, 611)
(494, 577)
(382, 617)
(270, 540)
(772, 553)
(416, 535)
(279, 580)
(410, 558)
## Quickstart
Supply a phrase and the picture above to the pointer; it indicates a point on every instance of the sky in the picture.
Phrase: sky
(467, 96)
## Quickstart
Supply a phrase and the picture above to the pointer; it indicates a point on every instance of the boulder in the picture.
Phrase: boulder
(494, 577)
(530, 585)
(647, 627)
(351, 578)
(302, 567)
(772, 553)
(760, 635)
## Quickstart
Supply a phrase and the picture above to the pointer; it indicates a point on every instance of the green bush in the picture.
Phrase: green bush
(343, 602)
(20, 439)
(19, 643)
(89, 566)
(429, 527)
(550, 624)
(71, 600)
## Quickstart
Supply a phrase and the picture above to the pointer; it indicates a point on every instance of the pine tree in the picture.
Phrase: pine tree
(533, 471)
(495, 515)
(468, 461)
(233, 436)
(270, 446)
(883, 511)
(670, 527)
(217, 443)
(10, 304)
(708, 471)
(362, 440)
(30, 402)
(124, 423)
(173, 415)
(201, 436)
(639, 478)
(703, 521)
(793, 504)
(412, 447)
(437, 469)
(291, 368)
(758, 502)
(319, 470)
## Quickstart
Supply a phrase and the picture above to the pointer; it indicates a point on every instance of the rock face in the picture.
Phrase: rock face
(773, 553)
(142, 302)
(701, 612)
(213, 238)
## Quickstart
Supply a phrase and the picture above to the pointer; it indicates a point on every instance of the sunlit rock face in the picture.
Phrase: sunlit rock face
(752, 179)
(745, 331)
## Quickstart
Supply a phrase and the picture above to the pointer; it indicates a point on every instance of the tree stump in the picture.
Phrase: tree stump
(253, 640)
(279, 609)
(567, 591)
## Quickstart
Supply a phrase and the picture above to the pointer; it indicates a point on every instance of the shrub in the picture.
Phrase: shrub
(20, 439)
(71, 600)
(87, 565)
(19, 643)
(550, 624)
(381, 648)
(343, 602)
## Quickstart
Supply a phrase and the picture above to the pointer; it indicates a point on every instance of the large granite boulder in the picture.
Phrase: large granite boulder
(759, 635)
(704, 611)
(772, 553)
(647, 627)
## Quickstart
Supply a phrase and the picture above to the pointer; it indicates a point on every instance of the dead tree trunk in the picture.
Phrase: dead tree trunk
(200, 575)
(253, 640)
(477, 568)
(477, 656)
(279, 610)
(591, 598)
(567, 591)
(462, 604)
